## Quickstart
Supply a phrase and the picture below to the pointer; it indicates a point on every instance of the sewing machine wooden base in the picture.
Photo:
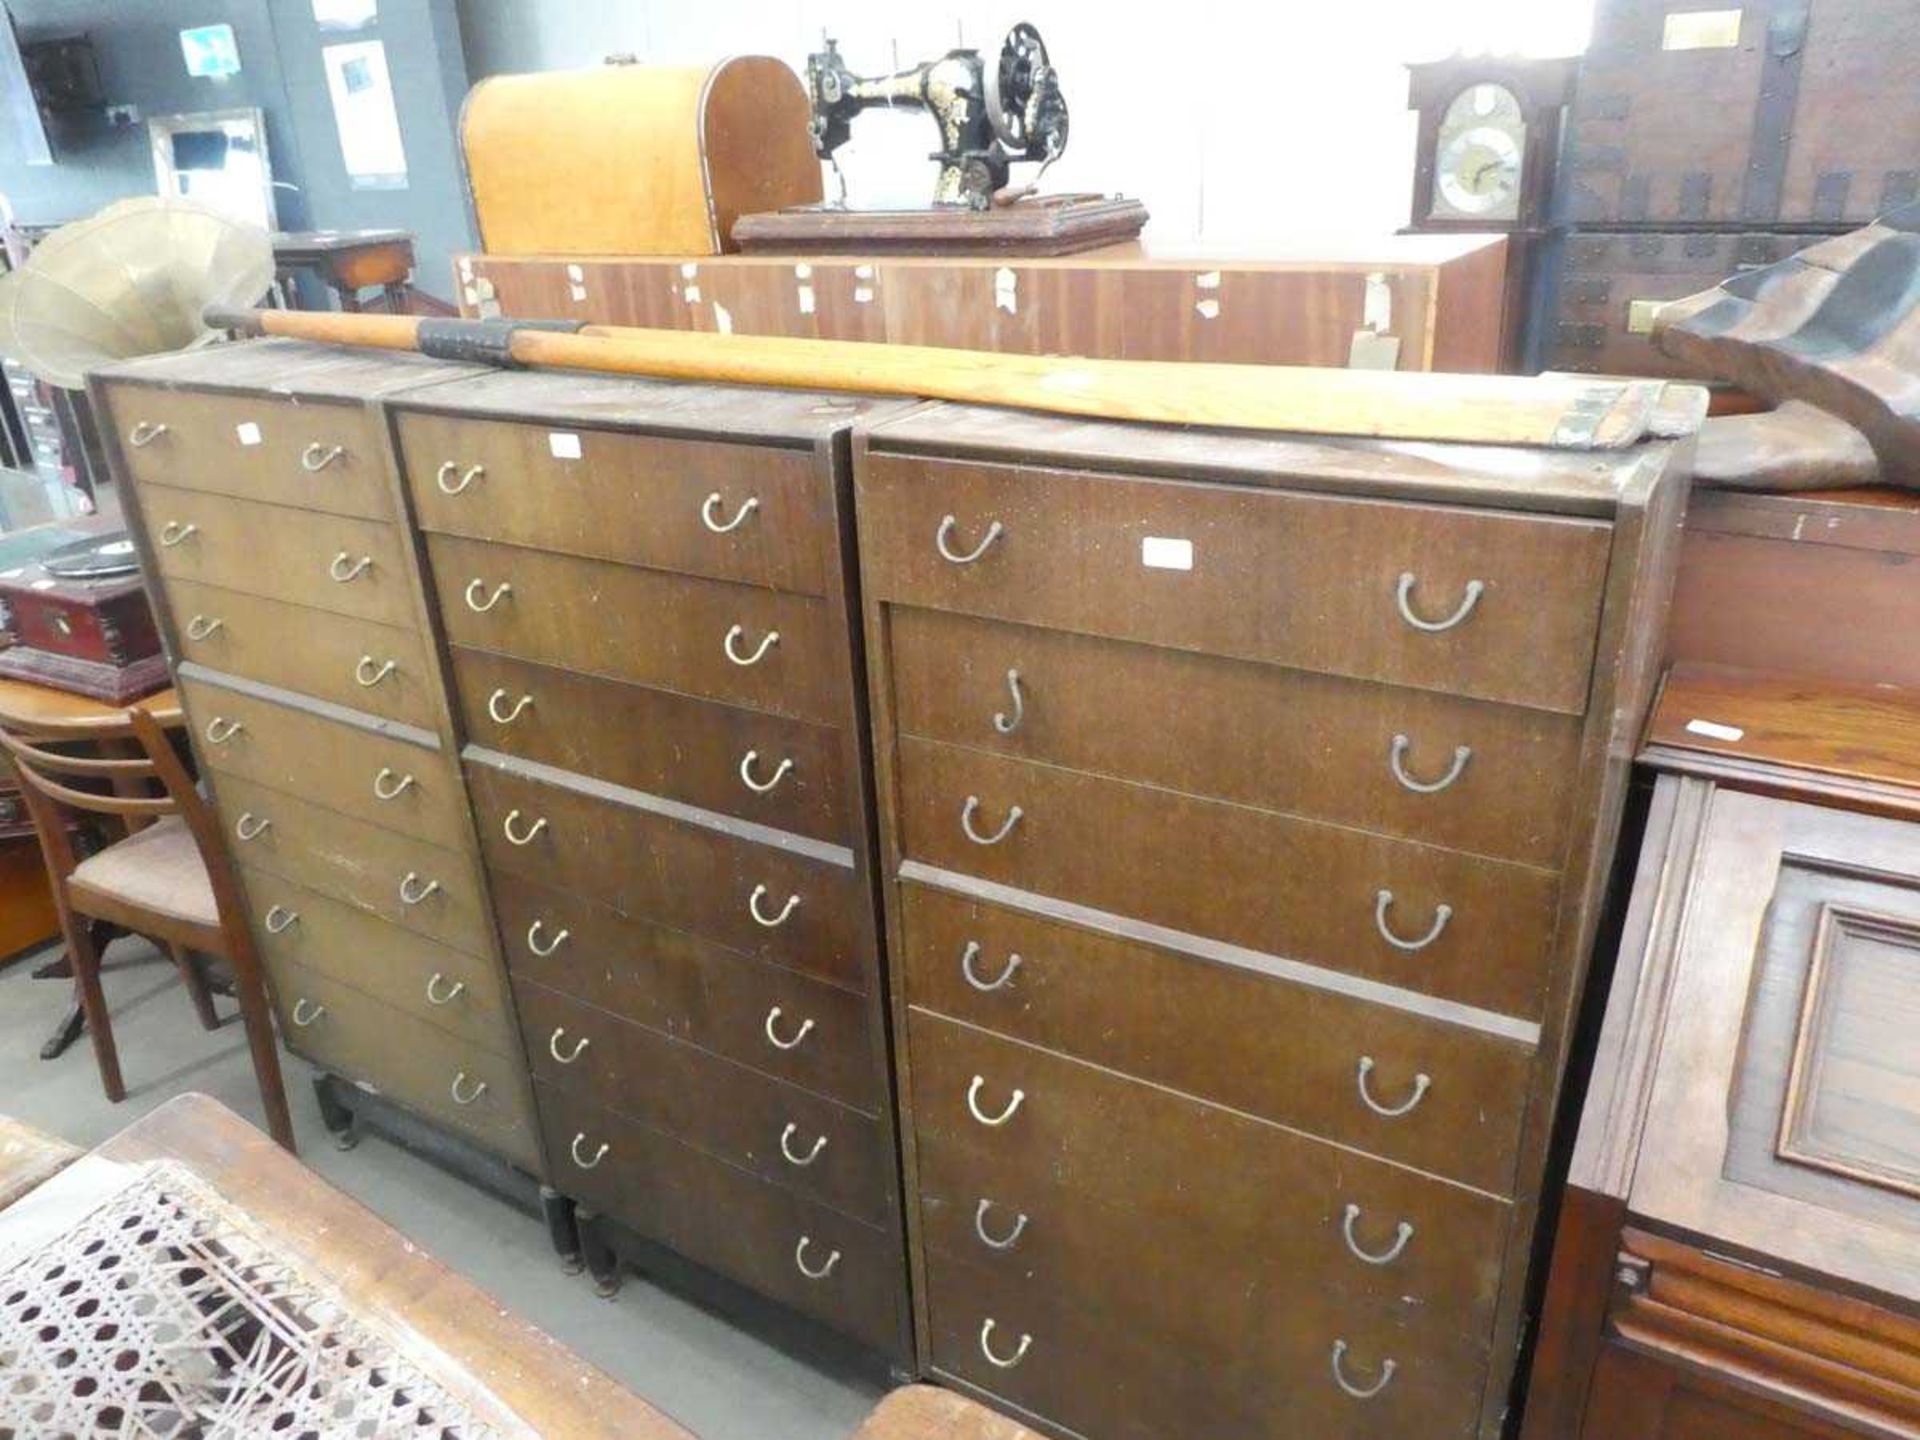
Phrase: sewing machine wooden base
(1035, 225)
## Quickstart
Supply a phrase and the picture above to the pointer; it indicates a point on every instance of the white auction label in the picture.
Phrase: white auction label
(564, 444)
(1161, 552)
(248, 432)
(1714, 730)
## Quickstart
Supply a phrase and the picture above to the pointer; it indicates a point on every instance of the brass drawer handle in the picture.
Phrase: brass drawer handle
(580, 1045)
(305, 1012)
(1421, 1084)
(773, 1034)
(1396, 761)
(1383, 902)
(972, 807)
(250, 826)
(947, 552)
(412, 892)
(767, 642)
(986, 986)
(279, 919)
(533, 940)
(434, 997)
(753, 906)
(761, 787)
(533, 830)
(477, 586)
(999, 1242)
(345, 567)
(446, 473)
(786, 1146)
(316, 457)
(1404, 597)
(1358, 1392)
(385, 789)
(370, 674)
(220, 730)
(598, 1155)
(1007, 722)
(520, 707)
(986, 1347)
(1401, 1235)
(479, 1089)
(709, 507)
(175, 532)
(201, 626)
(145, 433)
(800, 1260)
(991, 1121)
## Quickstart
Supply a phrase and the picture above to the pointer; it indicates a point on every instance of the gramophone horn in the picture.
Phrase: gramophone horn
(131, 280)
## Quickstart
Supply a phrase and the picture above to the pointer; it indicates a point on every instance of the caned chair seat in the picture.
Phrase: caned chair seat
(158, 868)
(924, 1412)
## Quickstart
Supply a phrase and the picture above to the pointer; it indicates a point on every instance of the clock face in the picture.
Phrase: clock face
(1476, 173)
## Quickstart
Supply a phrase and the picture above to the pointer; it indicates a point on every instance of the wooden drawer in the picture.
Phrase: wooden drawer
(329, 562)
(457, 992)
(795, 902)
(1441, 1097)
(1492, 779)
(308, 453)
(784, 773)
(1343, 899)
(409, 882)
(728, 1220)
(669, 981)
(697, 637)
(366, 666)
(781, 1133)
(1311, 581)
(1109, 1165)
(642, 499)
(329, 757)
(476, 1091)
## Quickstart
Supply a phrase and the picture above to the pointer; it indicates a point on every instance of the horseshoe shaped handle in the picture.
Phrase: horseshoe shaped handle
(533, 830)
(345, 567)
(316, 457)
(773, 1036)
(479, 1089)
(145, 433)
(446, 473)
(1006, 722)
(220, 730)
(1383, 902)
(709, 507)
(477, 586)
(369, 673)
(972, 808)
(412, 892)
(992, 1121)
(1422, 1082)
(518, 708)
(761, 787)
(175, 532)
(986, 1347)
(1397, 762)
(385, 789)
(579, 1046)
(786, 1146)
(971, 954)
(305, 1012)
(598, 1155)
(753, 906)
(279, 919)
(533, 942)
(944, 534)
(249, 826)
(767, 642)
(1359, 1392)
(201, 626)
(1403, 596)
(434, 997)
(1401, 1235)
(800, 1260)
(1001, 1242)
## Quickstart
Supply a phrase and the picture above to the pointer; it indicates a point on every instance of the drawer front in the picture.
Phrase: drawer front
(821, 1039)
(759, 1234)
(431, 891)
(1491, 779)
(784, 773)
(781, 1133)
(1440, 1097)
(450, 989)
(781, 903)
(745, 646)
(470, 1089)
(364, 774)
(312, 454)
(328, 562)
(1343, 899)
(733, 512)
(1308, 581)
(366, 666)
(1105, 1164)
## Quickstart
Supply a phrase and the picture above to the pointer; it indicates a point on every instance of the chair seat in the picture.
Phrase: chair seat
(923, 1412)
(157, 869)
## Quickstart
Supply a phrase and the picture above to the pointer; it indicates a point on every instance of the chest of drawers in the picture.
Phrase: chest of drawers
(1246, 807)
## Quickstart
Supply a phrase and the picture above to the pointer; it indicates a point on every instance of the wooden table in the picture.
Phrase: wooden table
(28, 1157)
(350, 261)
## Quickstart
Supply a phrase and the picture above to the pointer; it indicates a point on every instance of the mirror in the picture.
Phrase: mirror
(218, 158)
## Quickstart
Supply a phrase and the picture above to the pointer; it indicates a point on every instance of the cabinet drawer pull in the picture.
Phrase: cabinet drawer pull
(973, 1104)
(1387, 1368)
(250, 826)
(434, 997)
(1401, 1235)
(384, 787)
(761, 787)
(345, 567)
(201, 626)
(533, 830)
(478, 587)
(767, 642)
(579, 1046)
(972, 807)
(533, 939)
(279, 919)
(800, 1260)
(316, 457)
(753, 906)
(773, 1034)
(446, 473)
(520, 707)
(1421, 1084)
(986, 986)
(479, 1089)
(175, 532)
(598, 1155)
(1383, 902)
(710, 507)
(786, 1146)
(369, 673)
(1396, 761)
(412, 892)
(305, 1012)
(1006, 722)
(145, 433)
(944, 534)
(220, 730)
(1404, 596)
(986, 1347)
(998, 1242)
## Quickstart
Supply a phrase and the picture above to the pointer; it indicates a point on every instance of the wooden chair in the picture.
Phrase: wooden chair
(169, 879)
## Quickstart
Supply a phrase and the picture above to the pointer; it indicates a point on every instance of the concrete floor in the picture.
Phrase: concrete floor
(716, 1379)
